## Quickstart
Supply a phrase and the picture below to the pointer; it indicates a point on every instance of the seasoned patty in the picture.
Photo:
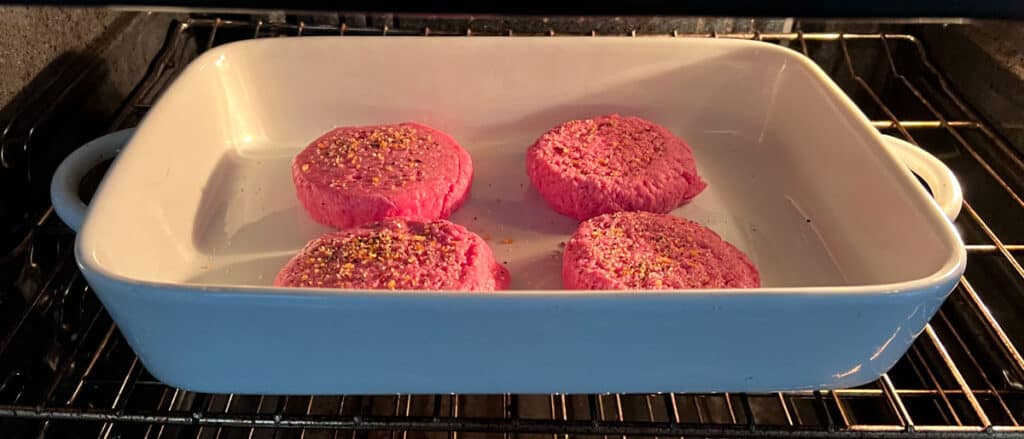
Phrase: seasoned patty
(643, 250)
(585, 168)
(397, 254)
(353, 175)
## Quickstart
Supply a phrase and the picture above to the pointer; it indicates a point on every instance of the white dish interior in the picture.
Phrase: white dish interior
(203, 194)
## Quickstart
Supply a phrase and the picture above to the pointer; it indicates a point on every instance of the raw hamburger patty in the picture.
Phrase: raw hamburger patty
(642, 250)
(353, 175)
(397, 254)
(589, 167)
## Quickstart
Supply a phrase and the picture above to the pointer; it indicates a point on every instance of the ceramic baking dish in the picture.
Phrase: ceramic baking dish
(197, 214)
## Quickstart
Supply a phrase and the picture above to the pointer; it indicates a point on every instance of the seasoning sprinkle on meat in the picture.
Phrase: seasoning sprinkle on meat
(585, 168)
(354, 175)
(643, 250)
(397, 254)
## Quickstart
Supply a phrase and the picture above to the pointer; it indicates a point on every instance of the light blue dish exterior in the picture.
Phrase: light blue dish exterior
(273, 341)
(232, 340)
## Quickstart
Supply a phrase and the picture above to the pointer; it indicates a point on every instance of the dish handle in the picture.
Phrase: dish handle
(64, 186)
(943, 184)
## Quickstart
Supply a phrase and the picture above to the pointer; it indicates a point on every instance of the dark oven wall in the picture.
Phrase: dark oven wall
(59, 90)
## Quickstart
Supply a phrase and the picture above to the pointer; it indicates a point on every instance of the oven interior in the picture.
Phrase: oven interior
(65, 370)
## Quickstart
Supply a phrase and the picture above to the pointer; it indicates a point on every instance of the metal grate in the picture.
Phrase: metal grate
(67, 372)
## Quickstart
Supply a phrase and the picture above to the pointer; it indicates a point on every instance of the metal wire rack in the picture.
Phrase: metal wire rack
(67, 372)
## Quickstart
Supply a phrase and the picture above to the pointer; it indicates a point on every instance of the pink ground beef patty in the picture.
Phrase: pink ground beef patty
(397, 254)
(642, 250)
(353, 175)
(585, 168)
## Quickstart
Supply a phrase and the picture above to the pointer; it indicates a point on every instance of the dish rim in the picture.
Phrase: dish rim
(947, 272)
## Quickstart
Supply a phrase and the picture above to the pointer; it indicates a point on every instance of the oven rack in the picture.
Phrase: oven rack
(964, 375)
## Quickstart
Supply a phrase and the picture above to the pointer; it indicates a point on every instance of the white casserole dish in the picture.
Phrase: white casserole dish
(198, 213)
